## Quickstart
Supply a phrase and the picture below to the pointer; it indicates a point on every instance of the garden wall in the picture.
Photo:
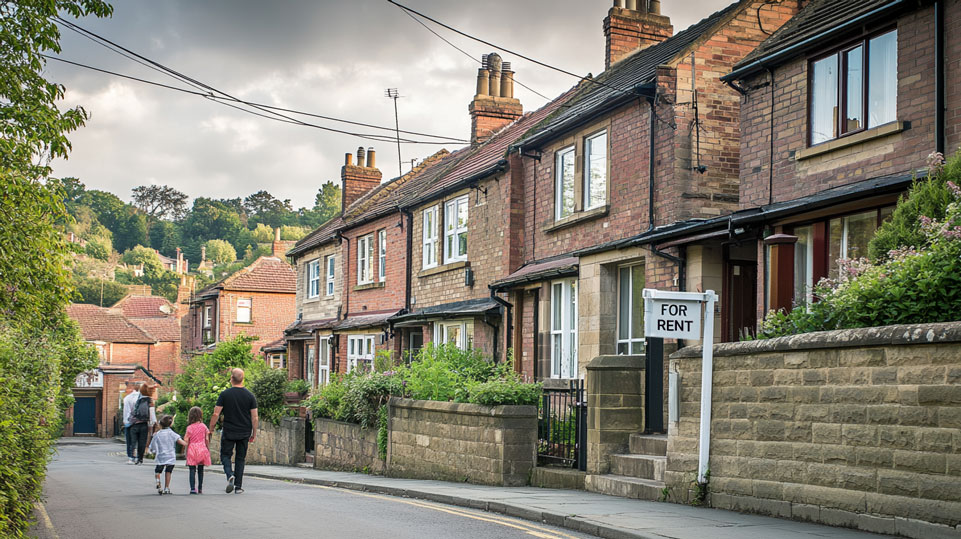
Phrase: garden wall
(281, 444)
(346, 446)
(492, 445)
(858, 428)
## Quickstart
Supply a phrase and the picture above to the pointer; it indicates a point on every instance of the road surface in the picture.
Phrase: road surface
(91, 493)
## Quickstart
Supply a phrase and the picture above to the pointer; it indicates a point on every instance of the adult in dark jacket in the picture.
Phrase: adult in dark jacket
(239, 409)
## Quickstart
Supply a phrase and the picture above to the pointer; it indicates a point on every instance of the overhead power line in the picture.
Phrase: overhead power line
(209, 92)
(508, 51)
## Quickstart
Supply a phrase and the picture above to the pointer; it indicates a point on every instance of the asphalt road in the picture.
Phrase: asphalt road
(91, 493)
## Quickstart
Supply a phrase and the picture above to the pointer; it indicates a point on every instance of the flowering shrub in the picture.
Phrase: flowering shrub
(912, 283)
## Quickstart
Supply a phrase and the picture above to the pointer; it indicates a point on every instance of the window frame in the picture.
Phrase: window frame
(382, 255)
(310, 360)
(313, 278)
(330, 265)
(586, 181)
(839, 53)
(558, 190)
(429, 256)
(249, 308)
(324, 357)
(366, 352)
(631, 339)
(365, 262)
(465, 340)
(565, 329)
(452, 230)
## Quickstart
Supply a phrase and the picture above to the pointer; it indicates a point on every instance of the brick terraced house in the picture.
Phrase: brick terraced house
(840, 109)
(257, 301)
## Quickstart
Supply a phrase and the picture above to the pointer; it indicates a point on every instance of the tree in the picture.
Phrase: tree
(41, 351)
(111, 212)
(165, 236)
(213, 219)
(220, 251)
(264, 208)
(132, 231)
(100, 291)
(326, 206)
(99, 247)
(263, 233)
(143, 255)
(160, 201)
(292, 233)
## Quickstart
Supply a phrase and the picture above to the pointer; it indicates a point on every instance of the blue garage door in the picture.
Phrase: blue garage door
(85, 415)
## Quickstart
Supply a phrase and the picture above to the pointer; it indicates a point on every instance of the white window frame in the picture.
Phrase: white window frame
(559, 180)
(382, 258)
(465, 338)
(330, 263)
(632, 339)
(324, 357)
(589, 156)
(313, 278)
(564, 329)
(430, 237)
(248, 308)
(310, 353)
(208, 318)
(453, 229)
(365, 259)
(278, 361)
(360, 348)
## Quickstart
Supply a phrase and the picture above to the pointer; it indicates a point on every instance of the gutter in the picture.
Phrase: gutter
(760, 63)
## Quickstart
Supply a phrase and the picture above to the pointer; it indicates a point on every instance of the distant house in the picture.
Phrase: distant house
(257, 301)
(138, 340)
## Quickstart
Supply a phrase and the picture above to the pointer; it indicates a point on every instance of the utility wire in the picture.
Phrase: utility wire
(268, 111)
(469, 55)
(508, 51)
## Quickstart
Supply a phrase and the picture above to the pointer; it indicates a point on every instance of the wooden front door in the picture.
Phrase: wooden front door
(741, 291)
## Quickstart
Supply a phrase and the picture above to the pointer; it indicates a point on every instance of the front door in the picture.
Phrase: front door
(85, 415)
(741, 309)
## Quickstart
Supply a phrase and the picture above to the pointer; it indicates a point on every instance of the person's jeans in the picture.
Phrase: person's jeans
(138, 431)
(129, 439)
(226, 450)
(199, 469)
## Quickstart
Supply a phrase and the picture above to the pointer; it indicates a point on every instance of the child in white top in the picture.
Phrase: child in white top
(164, 446)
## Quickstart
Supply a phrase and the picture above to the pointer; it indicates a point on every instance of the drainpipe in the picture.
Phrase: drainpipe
(508, 318)
(650, 172)
(939, 76)
(537, 307)
(770, 181)
(410, 249)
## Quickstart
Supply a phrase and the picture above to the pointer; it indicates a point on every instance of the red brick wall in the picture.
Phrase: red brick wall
(893, 154)
(127, 354)
(952, 29)
(392, 296)
(270, 314)
(192, 325)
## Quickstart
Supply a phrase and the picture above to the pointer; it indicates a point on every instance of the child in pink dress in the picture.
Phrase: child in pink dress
(198, 448)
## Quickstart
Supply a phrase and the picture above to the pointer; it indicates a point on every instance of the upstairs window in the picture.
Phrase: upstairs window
(595, 171)
(382, 258)
(243, 310)
(330, 275)
(455, 230)
(854, 89)
(365, 259)
(313, 278)
(430, 237)
(564, 183)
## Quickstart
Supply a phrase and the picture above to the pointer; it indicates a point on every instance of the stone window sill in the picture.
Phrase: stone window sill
(368, 286)
(443, 269)
(579, 217)
(880, 131)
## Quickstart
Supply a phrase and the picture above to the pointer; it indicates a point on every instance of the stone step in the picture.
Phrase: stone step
(625, 487)
(639, 466)
(649, 444)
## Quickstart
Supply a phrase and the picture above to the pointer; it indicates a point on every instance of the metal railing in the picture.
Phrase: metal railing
(562, 427)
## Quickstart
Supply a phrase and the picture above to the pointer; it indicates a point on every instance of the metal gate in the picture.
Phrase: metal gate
(562, 427)
(309, 436)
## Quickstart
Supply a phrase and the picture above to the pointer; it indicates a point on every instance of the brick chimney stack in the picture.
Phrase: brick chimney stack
(358, 179)
(277, 248)
(494, 105)
(632, 25)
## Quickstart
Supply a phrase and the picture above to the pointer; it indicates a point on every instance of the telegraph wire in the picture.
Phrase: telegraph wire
(469, 55)
(508, 51)
(267, 110)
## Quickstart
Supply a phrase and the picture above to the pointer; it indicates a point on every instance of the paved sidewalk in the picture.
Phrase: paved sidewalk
(596, 514)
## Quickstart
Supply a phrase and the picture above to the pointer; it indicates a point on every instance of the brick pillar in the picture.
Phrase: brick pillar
(615, 407)
(628, 30)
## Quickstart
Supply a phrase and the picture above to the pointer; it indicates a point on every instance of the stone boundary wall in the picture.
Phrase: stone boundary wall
(281, 444)
(857, 428)
(492, 445)
(346, 446)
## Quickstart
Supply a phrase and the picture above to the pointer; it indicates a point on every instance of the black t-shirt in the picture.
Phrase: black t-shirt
(237, 403)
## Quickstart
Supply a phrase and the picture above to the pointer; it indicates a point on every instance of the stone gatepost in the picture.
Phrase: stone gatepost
(615, 407)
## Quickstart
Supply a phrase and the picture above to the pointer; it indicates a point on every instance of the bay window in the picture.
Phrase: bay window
(360, 352)
(564, 329)
(855, 88)
(458, 333)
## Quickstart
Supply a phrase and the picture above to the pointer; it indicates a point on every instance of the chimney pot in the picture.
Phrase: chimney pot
(631, 5)
(360, 157)
(507, 81)
(371, 163)
(277, 234)
(655, 7)
(348, 159)
(483, 79)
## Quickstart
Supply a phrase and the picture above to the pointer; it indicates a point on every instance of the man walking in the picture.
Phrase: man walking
(128, 403)
(239, 408)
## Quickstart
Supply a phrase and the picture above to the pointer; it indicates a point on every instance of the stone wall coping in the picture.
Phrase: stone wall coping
(618, 363)
(946, 332)
(464, 408)
(349, 424)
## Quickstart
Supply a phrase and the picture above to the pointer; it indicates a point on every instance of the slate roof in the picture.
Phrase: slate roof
(107, 325)
(162, 329)
(280, 345)
(365, 321)
(471, 307)
(144, 306)
(539, 270)
(811, 27)
(615, 86)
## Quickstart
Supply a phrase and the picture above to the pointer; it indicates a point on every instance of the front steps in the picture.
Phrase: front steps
(638, 474)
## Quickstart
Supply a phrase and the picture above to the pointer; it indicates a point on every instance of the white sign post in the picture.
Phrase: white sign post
(677, 315)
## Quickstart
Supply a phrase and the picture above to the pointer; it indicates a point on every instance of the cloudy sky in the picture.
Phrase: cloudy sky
(332, 58)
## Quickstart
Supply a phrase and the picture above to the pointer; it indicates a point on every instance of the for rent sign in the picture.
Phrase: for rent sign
(672, 317)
